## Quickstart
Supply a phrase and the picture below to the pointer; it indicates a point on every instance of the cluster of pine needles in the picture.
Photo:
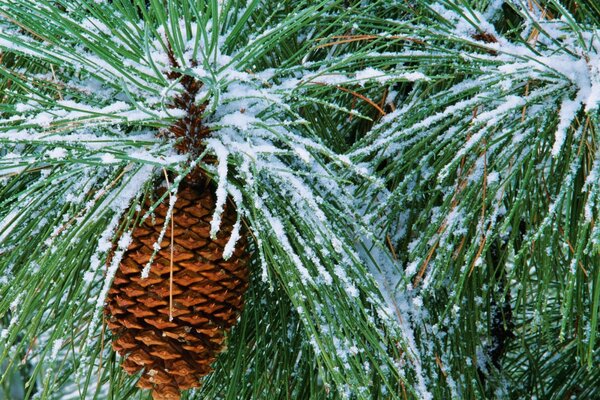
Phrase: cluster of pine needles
(418, 181)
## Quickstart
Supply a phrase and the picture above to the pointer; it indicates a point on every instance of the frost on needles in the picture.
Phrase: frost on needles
(420, 179)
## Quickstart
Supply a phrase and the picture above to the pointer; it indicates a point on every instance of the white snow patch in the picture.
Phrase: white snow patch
(568, 110)
(239, 120)
(57, 153)
(221, 192)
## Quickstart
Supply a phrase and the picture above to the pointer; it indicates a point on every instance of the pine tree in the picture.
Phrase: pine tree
(415, 183)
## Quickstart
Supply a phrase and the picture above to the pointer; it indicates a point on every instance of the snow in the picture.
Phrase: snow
(56, 347)
(57, 153)
(568, 110)
(236, 196)
(88, 277)
(361, 77)
(108, 158)
(369, 74)
(9, 222)
(493, 116)
(14, 44)
(124, 241)
(493, 177)
(303, 154)
(222, 185)
(116, 111)
(156, 246)
(413, 76)
(21, 108)
(43, 120)
(239, 120)
(385, 76)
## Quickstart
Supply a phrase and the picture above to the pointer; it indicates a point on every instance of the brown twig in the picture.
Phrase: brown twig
(358, 38)
(171, 249)
(353, 93)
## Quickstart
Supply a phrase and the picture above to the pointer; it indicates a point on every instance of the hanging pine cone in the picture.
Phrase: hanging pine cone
(206, 295)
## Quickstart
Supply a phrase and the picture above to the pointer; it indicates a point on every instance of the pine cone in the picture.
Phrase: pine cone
(207, 295)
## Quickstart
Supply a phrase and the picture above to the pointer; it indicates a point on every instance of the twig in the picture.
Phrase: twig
(171, 255)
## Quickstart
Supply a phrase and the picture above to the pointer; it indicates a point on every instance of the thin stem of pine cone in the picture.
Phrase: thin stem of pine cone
(171, 248)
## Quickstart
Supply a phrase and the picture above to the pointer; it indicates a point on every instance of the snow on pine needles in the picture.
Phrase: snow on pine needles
(89, 134)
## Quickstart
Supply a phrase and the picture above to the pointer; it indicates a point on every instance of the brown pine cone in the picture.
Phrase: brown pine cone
(207, 295)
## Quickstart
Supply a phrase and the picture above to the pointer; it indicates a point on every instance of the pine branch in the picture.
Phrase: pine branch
(87, 140)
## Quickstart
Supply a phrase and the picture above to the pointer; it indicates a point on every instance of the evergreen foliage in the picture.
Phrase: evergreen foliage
(420, 180)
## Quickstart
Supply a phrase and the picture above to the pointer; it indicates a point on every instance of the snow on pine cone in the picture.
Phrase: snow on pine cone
(207, 295)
